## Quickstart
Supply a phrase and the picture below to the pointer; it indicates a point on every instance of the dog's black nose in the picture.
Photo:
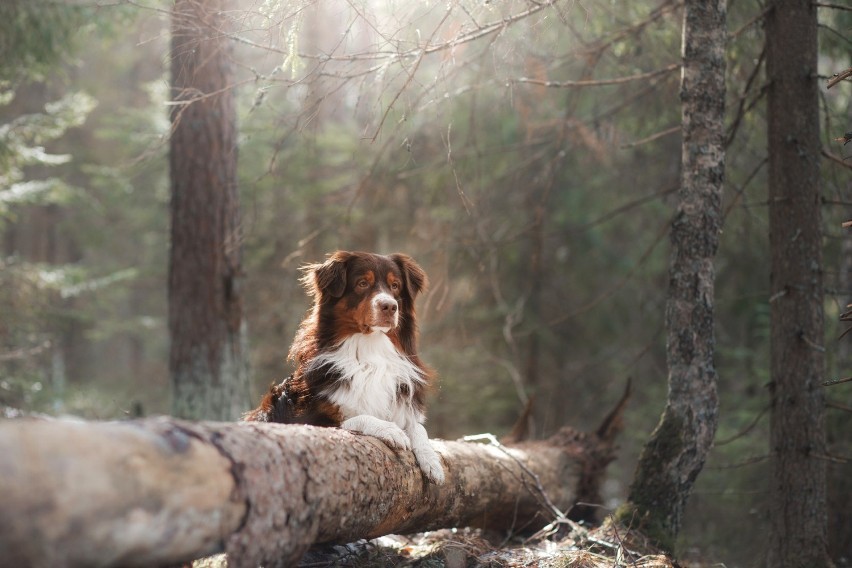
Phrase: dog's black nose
(387, 306)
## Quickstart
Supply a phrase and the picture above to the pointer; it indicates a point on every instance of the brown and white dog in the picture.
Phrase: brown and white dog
(356, 355)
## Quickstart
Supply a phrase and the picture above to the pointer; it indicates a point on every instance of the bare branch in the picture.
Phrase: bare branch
(417, 52)
(741, 107)
(836, 159)
(740, 190)
(832, 458)
(838, 406)
(749, 23)
(540, 491)
(662, 10)
(618, 285)
(600, 82)
(838, 77)
(743, 463)
(24, 352)
(627, 207)
(744, 431)
(833, 6)
(651, 138)
(833, 382)
(410, 78)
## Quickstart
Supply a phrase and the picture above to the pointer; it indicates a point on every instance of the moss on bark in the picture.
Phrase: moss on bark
(654, 489)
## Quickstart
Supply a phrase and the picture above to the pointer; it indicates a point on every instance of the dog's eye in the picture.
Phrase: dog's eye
(395, 286)
(362, 284)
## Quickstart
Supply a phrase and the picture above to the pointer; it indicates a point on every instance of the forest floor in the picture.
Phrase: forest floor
(601, 547)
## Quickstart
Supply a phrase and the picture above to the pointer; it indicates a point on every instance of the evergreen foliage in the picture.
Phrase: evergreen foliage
(22, 143)
(35, 35)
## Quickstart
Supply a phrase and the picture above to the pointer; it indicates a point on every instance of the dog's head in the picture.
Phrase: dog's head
(367, 292)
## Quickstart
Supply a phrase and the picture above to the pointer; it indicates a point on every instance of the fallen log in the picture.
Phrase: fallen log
(164, 491)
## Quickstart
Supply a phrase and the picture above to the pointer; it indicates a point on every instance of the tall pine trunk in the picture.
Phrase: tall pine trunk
(675, 454)
(208, 351)
(797, 439)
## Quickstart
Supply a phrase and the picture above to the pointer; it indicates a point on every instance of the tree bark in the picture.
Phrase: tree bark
(838, 425)
(163, 491)
(208, 358)
(675, 454)
(797, 435)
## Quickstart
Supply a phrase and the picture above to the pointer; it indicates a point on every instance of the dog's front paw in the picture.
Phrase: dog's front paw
(388, 432)
(393, 436)
(430, 464)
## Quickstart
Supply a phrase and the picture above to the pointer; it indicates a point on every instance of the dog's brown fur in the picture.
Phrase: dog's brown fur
(340, 310)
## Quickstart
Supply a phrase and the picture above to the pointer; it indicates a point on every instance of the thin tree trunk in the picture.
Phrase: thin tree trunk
(797, 437)
(208, 359)
(675, 454)
(163, 491)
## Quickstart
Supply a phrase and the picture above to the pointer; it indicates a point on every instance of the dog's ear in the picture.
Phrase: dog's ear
(328, 277)
(414, 276)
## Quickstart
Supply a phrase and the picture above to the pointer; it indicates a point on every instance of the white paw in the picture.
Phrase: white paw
(394, 437)
(388, 432)
(430, 464)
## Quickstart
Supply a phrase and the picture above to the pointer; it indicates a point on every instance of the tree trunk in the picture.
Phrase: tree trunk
(797, 437)
(838, 425)
(675, 454)
(208, 359)
(162, 491)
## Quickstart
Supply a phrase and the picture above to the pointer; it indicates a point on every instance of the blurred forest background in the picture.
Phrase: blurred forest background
(529, 164)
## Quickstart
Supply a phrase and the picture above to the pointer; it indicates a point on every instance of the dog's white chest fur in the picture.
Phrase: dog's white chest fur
(372, 374)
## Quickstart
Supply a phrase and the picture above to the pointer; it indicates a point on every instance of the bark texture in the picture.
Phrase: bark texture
(797, 438)
(163, 491)
(86, 494)
(675, 454)
(208, 359)
(838, 425)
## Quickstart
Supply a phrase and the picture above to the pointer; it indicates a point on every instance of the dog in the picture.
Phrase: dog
(356, 358)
